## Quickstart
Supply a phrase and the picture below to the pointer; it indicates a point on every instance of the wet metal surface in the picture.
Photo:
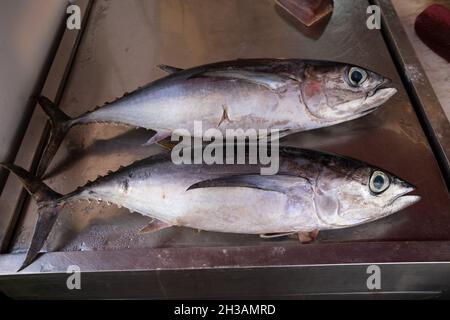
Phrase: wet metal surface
(13, 195)
(124, 42)
(436, 68)
(428, 105)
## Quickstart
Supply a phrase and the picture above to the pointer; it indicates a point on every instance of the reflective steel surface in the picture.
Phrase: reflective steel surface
(124, 42)
(429, 105)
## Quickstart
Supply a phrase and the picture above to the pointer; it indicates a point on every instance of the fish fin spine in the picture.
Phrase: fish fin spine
(169, 69)
(155, 225)
(275, 235)
(157, 137)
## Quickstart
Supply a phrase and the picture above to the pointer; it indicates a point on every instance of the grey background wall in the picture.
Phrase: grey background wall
(27, 31)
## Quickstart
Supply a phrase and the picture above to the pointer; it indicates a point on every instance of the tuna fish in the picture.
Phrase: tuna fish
(312, 191)
(284, 95)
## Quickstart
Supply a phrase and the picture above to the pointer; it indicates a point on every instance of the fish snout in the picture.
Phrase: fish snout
(385, 84)
(403, 190)
(404, 201)
(378, 98)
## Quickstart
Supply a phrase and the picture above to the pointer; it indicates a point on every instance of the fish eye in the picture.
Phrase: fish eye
(357, 76)
(379, 182)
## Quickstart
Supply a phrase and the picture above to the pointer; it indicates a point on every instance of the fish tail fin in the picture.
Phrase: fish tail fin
(60, 125)
(47, 200)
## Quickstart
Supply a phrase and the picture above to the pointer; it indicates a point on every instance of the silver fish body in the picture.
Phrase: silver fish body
(286, 95)
(312, 191)
(271, 94)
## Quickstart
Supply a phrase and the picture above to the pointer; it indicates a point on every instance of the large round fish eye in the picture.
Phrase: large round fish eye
(379, 182)
(357, 76)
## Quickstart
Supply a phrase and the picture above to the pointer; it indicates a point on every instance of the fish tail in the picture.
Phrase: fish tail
(47, 200)
(60, 125)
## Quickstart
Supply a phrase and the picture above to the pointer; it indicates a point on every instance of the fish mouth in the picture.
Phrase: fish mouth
(383, 85)
(398, 203)
(367, 111)
(402, 201)
(382, 90)
(376, 98)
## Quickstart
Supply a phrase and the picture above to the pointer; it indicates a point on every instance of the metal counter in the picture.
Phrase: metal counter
(118, 51)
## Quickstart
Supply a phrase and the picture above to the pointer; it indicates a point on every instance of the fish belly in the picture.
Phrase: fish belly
(163, 194)
(244, 210)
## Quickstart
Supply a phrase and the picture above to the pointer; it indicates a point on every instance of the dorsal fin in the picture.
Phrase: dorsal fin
(169, 69)
(278, 183)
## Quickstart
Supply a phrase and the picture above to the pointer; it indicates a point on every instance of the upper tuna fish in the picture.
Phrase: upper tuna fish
(286, 95)
(312, 191)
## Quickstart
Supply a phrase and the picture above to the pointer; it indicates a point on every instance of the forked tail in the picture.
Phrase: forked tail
(46, 199)
(60, 125)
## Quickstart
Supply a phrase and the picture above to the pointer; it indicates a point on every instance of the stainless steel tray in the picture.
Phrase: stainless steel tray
(119, 49)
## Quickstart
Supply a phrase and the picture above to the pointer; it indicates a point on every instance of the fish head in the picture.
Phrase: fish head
(338, 92)
(347, 197)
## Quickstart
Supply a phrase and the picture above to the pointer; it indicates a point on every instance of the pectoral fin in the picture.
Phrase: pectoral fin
(268, 80)
(275, 235)
(278, 183)
(159, 136)
(308, 237)
(327, 207)
(167, 143)
(154, 226)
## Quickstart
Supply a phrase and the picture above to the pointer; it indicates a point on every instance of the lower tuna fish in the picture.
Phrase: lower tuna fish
(271, 94)
(313, 191)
